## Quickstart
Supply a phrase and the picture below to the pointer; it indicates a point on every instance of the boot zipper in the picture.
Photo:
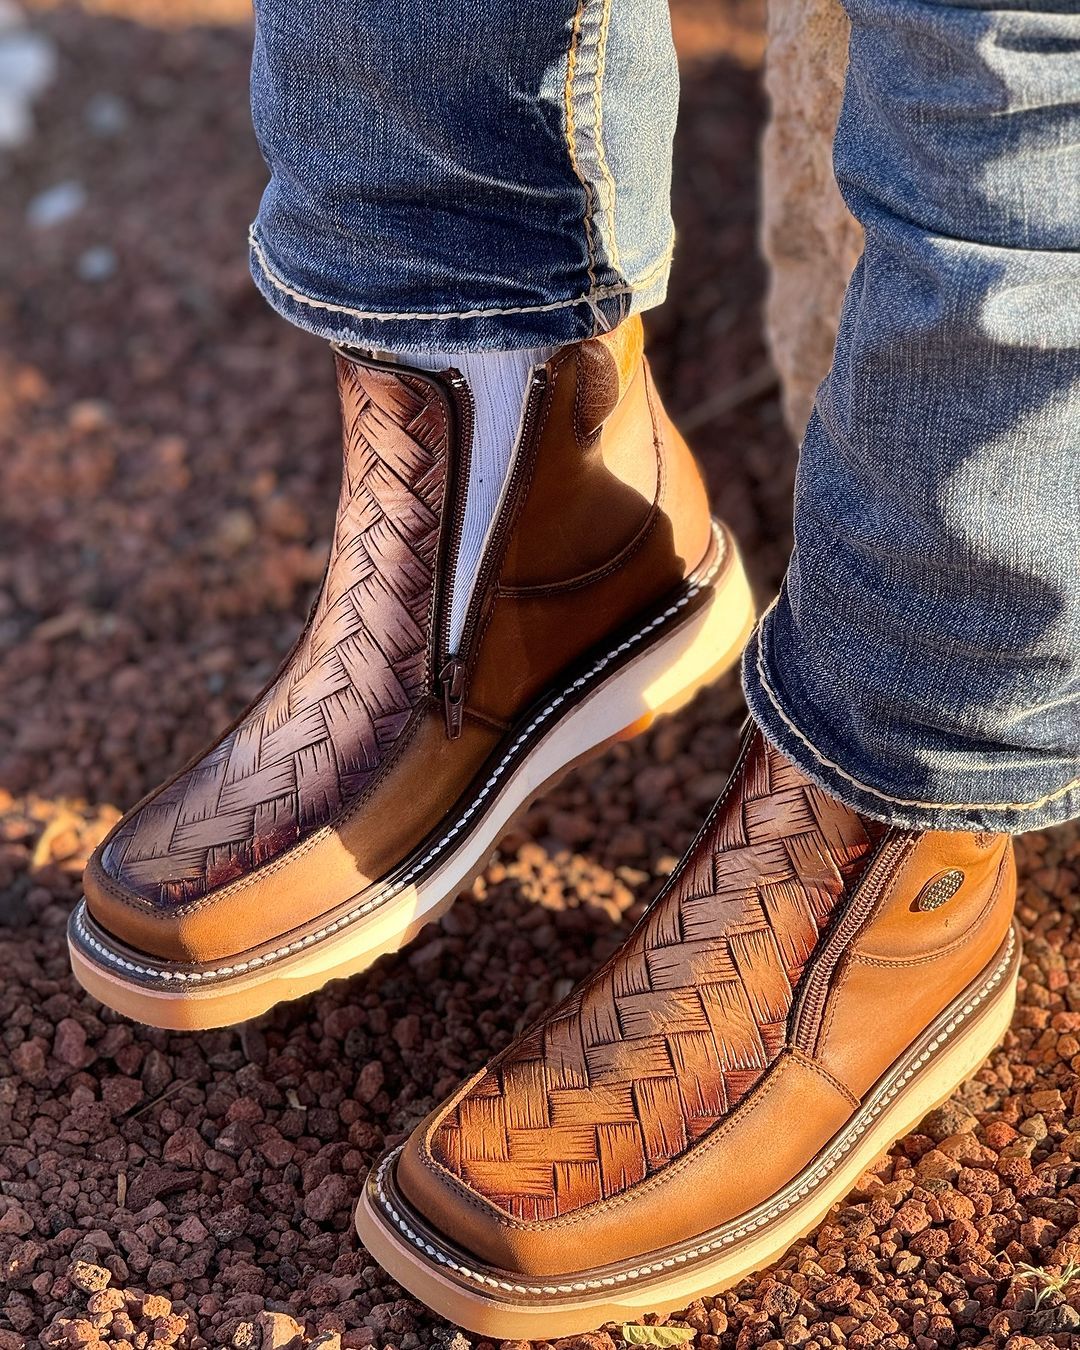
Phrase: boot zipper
(454, 665)
(806, 1022)
(452, 679)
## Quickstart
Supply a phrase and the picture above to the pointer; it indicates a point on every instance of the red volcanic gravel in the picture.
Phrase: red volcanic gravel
(168, 467)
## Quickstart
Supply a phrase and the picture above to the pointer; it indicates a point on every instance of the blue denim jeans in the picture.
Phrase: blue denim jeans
(467, 175)
(482, 175)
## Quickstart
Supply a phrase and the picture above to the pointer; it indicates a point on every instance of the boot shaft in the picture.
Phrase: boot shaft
(603, 513)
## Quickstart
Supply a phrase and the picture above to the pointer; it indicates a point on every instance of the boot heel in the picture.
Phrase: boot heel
(698, 653)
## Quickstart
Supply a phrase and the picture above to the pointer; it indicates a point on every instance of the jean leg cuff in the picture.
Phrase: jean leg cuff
(479, 326)
(846, 773)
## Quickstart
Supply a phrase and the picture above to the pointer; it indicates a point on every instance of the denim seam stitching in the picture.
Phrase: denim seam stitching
(874, 792)
(607, 178)
(600, 293)
(569, 96)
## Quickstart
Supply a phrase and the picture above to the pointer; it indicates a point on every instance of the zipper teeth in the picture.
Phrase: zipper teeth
(466, 417)
(537, 387)
(812, 1003)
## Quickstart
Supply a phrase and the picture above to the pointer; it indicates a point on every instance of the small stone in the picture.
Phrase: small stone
(16, 1220)
(332, 1194)
(106, 114)
(56, 205)
(277, 1331)
(69, 1043)
(90, 1279)
(948, 1120)
(779, 1302)
(28, 1059)
(956, 1206)
(81, 1332)
(407, 1031)
(121, 1094)
(370, 1082)
(105, 1301)
(998, 1135)
(191, 1229)
(912, 1218)
(27, 68)
(931, 1244)
(96, 264)
(169, 1330)
(937, 1166)
(236, 531)
(21, 1261)
(153, 1181)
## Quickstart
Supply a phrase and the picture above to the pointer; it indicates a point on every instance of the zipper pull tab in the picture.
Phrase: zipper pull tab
(452, 679)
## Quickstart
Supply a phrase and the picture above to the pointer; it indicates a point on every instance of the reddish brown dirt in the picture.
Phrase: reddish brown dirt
(168, 466)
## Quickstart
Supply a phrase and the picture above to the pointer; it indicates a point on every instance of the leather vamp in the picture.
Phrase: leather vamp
(316, 738)
(665, 1040)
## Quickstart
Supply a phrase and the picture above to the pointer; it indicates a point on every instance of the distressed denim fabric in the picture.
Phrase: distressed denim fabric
(923, 658)
(463, 175)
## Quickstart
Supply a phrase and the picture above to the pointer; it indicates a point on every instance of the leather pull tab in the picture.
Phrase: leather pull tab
(605, 366)
(597, 391)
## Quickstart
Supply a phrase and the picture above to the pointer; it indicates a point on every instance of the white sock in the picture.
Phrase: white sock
(499, 382)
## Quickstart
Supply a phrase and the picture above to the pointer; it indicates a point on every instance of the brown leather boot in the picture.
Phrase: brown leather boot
(369, 783)
(806, 988)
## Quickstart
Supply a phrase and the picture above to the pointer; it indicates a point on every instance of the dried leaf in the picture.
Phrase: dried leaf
(657, 1336)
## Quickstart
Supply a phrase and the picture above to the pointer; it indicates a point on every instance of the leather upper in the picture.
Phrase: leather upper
(343, 766)
(686, 1080)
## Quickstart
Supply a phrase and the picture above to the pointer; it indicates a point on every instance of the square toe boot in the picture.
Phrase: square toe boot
(368, 784)
(808, 985)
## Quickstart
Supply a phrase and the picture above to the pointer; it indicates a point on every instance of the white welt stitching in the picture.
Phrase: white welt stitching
(828, 1164)
(381, 897)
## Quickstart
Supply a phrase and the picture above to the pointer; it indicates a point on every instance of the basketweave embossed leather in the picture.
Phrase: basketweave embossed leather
(375, 741)
(769, 1000)
(665, 1040)
(316, 737)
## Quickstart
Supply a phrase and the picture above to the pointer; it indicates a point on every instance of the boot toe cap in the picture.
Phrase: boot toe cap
(120, 907)
(469, 1211)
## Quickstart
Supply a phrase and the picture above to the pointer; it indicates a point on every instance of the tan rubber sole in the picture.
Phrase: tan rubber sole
(662, 679)
(503, 1305)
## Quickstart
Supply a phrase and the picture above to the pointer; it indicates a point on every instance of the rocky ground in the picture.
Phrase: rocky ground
(167, 476)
